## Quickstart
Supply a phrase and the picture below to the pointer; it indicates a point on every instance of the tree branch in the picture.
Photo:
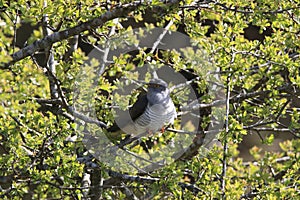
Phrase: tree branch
(190, 187)
(127, 177)
(288, 88)
(47, 41)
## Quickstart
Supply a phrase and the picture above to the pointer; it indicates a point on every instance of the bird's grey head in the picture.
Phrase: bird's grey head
(158, 91)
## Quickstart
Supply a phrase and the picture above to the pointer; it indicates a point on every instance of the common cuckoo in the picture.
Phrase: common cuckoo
(150, 112)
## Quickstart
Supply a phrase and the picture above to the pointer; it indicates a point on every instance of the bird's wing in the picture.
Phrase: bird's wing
(139, 107)
(135, 111)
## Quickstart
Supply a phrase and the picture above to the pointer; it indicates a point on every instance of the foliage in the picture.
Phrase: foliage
(43, 155)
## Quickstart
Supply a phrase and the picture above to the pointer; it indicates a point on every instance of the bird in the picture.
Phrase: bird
(150, 113)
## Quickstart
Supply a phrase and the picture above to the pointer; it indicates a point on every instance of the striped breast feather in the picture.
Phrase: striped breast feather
(155, 117)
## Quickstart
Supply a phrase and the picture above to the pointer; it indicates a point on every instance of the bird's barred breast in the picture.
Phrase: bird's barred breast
(154, 118)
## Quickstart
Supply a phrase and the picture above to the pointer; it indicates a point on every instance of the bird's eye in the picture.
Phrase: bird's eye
(154, 85)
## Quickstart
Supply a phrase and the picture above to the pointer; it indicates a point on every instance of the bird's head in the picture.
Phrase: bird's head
(158, 91)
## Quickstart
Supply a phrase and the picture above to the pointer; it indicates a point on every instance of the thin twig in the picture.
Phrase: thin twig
(107, 49)
(161, 37)
(225, 147)
(50, 61)
(23, 125)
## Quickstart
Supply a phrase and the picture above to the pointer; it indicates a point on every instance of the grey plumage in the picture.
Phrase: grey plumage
(158, 110)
